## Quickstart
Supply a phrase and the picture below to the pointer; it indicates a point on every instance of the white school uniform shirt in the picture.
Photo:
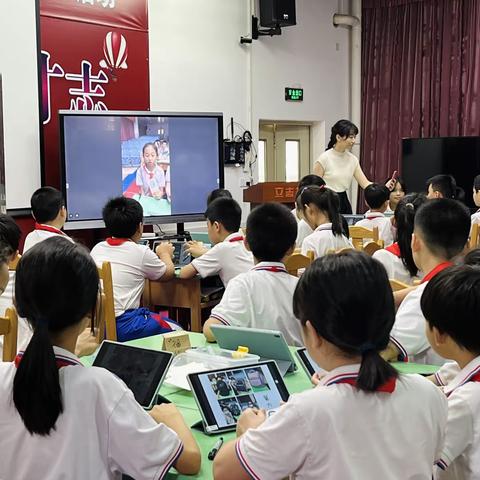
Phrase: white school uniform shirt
(303, 229)
(227, 259)
(6, 301)
(378, 219)
(395, 268)
(42, 232)
(102, 431)
(261, 298)
(338, 432)
(323, 239)
(150, 182)
(131, 265)
(339, 169)
(460, 458)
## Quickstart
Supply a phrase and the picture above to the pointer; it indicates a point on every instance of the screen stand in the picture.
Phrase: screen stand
(198, 426)
(180, 228)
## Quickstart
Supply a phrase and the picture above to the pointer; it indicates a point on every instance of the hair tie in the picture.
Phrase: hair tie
(367, 347)
(410, 205)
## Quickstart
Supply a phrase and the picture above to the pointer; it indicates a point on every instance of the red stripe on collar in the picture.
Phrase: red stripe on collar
(273, 269)
(49, 228)
(473, 377)
(394, 249)
(61, 361)
(351, 379)
(236, 239)
(436, 270)
(115, 242)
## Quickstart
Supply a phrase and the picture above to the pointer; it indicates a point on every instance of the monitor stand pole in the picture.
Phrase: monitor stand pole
(180, 228)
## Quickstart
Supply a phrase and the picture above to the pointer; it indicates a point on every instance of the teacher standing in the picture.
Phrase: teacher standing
(338, 165)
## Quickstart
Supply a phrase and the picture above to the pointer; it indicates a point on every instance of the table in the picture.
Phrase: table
(295, 382)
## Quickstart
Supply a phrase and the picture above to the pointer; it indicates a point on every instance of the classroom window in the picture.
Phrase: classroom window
(261, 160)
(292, 156)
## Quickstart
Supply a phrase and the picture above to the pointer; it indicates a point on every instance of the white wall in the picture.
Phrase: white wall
(18, 66)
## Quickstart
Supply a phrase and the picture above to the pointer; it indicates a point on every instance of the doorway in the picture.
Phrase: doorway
(283, 151)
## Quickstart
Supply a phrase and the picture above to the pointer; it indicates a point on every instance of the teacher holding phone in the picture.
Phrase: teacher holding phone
(338, 166)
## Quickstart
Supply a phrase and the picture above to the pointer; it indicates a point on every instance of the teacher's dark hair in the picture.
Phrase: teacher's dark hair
(348, 300)
(344, 128)
(56, 286)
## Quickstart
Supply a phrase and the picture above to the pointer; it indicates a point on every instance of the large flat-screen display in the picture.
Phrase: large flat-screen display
(424, 157)
(169, 162)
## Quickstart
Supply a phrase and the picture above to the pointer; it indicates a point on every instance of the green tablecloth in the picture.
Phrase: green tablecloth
(296, 382)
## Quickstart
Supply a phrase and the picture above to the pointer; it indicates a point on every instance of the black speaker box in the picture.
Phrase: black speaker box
(275, 13)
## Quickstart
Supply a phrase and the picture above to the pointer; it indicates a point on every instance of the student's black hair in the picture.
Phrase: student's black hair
(327, 201)
(344, 128)
(226, 211)
(122, 216)
(400, 181)
(444, 224)
(308, 180)
(376, 195)
(10, 234)
(271, 232)
(347, 299)
(472, 257)
(476, 183)
(56, 286)
(447, 186)
(46, 202)
(404, 220)
(218, 193)
(451, 304)
(149, 144)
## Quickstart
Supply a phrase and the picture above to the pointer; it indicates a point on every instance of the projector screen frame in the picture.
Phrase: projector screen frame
(150, 220)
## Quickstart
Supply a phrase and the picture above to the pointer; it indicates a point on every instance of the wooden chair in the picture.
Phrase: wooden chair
(397, 285)
(9, 328)
(331, 251)
(474, 236)
(371, 247)
(297, 261)
(106, 323)
(359, 234)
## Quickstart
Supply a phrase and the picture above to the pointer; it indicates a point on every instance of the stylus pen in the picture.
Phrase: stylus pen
(213, 452)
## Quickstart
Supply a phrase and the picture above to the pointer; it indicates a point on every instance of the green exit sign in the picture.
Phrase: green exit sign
(294, 94)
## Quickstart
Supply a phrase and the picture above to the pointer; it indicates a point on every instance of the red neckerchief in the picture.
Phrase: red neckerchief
(351, 379)
(394, 249)
(236, 239)
(115, 242)
(436, 270)
(149, 173)
(49, 228)
(272, 268)
(60, 360)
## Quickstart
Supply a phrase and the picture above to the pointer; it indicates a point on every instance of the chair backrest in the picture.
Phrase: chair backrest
(371, 247)
(474, 236)
(297, 261)
(359, 234)
(106, 323)
(397, 285)
(9, 329)
(331, 251)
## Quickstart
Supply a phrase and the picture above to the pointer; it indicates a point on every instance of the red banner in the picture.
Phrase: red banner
(87, 66)
(131, 14)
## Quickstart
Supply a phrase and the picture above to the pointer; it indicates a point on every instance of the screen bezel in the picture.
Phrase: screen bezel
(159, 375)
(159, 219)
(208, 418)
(306, 364)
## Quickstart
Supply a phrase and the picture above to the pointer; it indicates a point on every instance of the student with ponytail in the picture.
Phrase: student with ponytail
(321, 210)
(353, 424)
(60, 419)
(338, 166)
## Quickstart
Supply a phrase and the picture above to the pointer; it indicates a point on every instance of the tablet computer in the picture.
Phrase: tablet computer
(180, 256)
(223, 394)
(267, 344)
(307, 362)
(141, 369)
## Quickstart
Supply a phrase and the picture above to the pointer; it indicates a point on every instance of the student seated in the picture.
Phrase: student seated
(262, 297)
(440, 233)
(321, 210)
(476, 199)
(398, 192)
(376, 197)
(444, 186)
(132, 263)
(228, 257)
(60, 419)
(50, 214)
(397, 258)
(9, 240)
(450, 304)
(218, 193)
(363, 420)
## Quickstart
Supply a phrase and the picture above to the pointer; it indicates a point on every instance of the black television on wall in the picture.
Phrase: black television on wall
(423, 158)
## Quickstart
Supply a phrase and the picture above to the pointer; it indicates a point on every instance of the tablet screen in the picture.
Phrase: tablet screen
(310, 366)
(142, 370)
(222, 395)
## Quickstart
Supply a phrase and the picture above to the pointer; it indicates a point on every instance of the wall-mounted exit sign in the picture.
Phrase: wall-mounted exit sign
(294, 94)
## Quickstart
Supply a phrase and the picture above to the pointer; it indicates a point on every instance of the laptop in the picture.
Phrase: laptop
(267, 344)
(142, 370)
(180, 256)
(223, 394)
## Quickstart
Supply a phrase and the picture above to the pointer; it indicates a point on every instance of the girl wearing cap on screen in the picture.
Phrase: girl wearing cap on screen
(150, 177)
